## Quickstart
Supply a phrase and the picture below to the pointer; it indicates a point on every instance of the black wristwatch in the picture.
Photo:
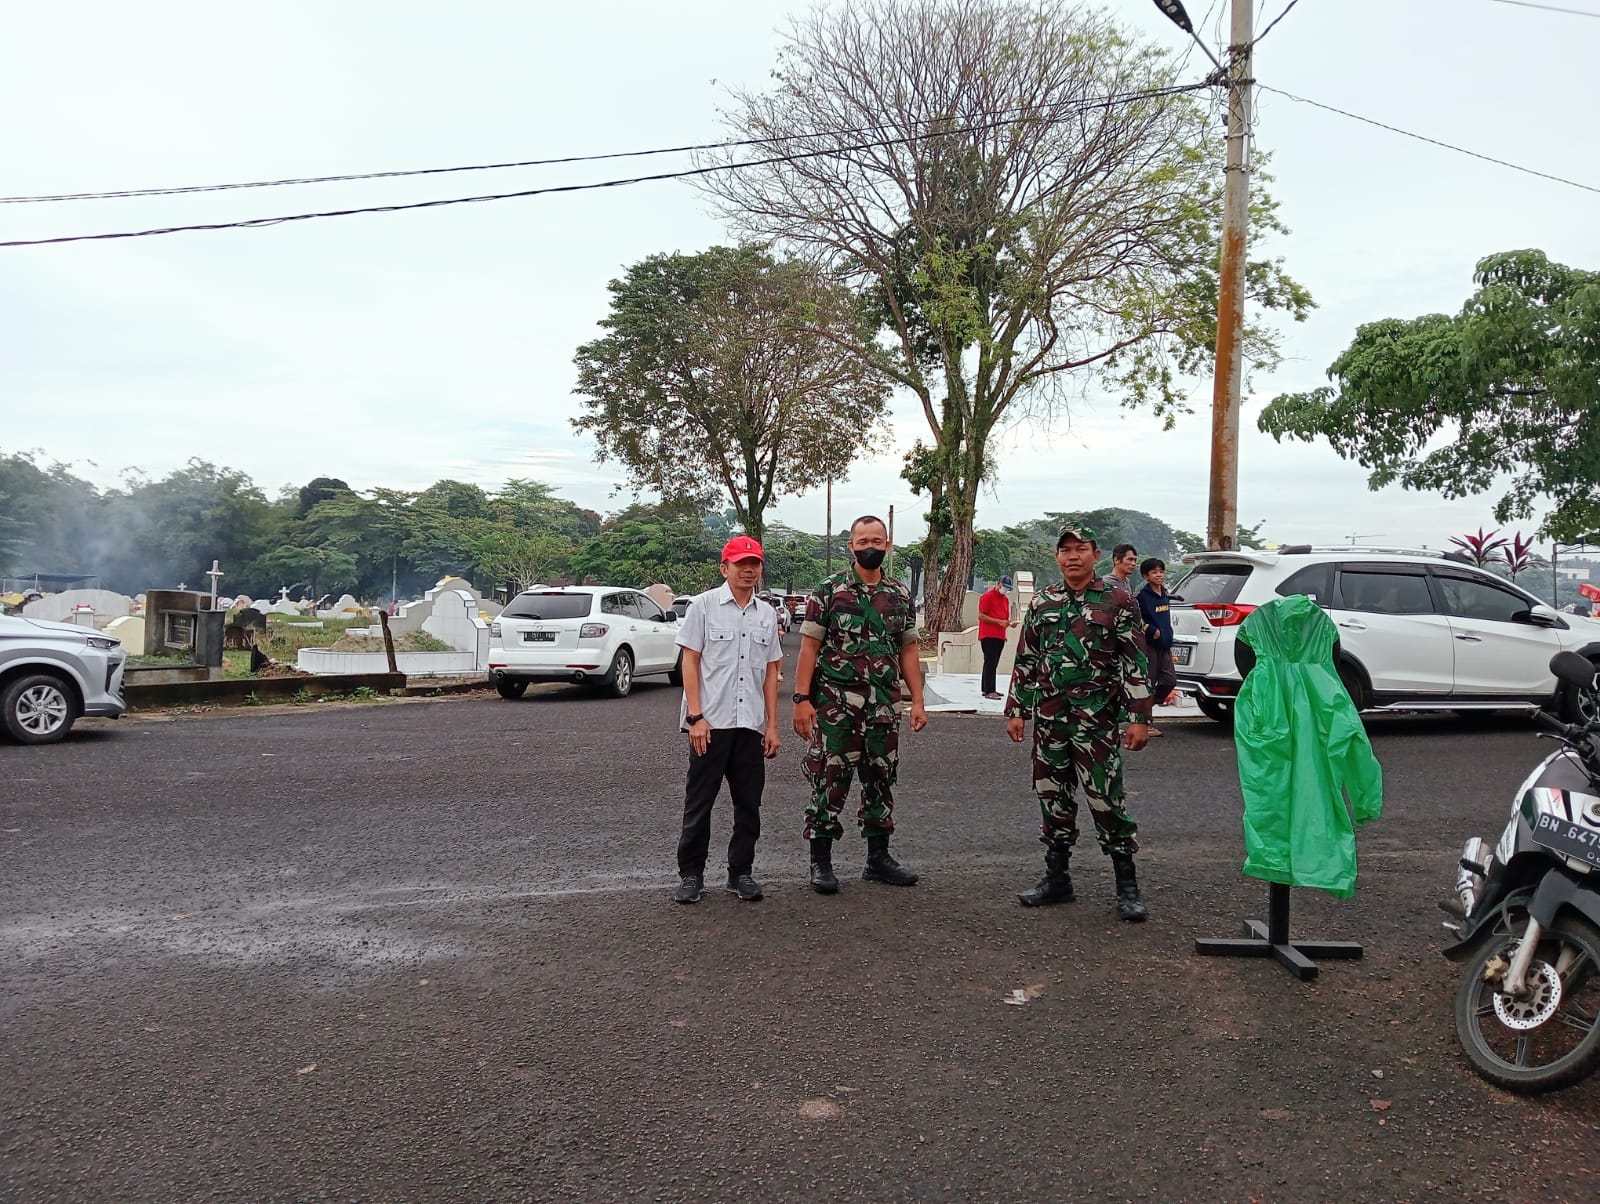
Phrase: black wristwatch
(799, 697)
(692, 719)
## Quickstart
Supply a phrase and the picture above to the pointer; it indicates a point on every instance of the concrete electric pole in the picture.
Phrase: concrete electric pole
(1222, 513)
(1222, 517)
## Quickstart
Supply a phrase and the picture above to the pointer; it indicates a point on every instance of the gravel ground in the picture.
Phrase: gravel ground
(425, 951)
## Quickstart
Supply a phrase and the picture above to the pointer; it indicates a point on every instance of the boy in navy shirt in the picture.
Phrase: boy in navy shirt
(1153, 606)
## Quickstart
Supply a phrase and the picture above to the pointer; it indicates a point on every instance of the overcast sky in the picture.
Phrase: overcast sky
(395, 349)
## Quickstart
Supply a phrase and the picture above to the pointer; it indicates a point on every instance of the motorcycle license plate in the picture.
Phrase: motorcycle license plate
(1569, 839)
(1181, 653)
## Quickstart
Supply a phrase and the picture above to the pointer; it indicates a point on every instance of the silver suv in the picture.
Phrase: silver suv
(1417, 630)
(51, 673)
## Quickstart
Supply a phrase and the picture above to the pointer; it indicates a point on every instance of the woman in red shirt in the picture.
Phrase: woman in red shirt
(994, 616)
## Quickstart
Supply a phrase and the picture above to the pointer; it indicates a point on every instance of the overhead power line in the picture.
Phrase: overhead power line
(1070, 110)
(180, 190)
(1460, 150)
(1549, 8)
(1273, 23)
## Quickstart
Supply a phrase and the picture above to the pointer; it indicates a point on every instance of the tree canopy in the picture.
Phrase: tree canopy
(730, 372)
(1511, 384)
(1034, 204)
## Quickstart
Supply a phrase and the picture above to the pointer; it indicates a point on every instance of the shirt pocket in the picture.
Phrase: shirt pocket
(721, 635)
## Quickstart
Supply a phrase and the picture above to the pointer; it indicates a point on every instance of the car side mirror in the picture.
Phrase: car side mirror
(1537, 617)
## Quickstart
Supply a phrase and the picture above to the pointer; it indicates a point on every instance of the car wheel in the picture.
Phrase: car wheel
(675, 674)
(511, 688)
(1576, 706)
(619, 680)
(37, 708)
(1215, 708)
(1350, 679)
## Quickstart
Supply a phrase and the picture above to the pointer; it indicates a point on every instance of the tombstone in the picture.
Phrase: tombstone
(345, 608)
(179, 622)
(129, 632)
(61, 608)
(455, 620)
(243, 630)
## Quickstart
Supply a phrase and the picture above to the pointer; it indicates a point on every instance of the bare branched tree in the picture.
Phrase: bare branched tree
(1027, 197)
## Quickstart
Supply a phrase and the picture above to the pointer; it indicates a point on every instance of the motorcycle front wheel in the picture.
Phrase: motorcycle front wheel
(1549, 1039)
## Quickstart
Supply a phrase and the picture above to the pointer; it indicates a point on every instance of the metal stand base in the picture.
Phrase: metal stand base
(1272, 940)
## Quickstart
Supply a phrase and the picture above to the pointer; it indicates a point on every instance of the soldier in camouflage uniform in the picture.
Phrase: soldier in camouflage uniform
(858, 640)
(1080, 671)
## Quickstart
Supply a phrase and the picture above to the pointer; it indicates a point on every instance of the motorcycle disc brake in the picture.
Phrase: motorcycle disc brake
(1540, 1003)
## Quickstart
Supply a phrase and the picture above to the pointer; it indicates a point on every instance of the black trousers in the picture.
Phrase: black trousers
(992, 648)
(734, 753)
(1163, 676)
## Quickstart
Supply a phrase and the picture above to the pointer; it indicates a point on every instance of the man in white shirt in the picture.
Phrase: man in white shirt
(731, 656)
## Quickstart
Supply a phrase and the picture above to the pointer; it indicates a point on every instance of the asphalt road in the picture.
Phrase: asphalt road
(425, 951)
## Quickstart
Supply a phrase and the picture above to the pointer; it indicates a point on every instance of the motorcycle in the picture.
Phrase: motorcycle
(1527, 917)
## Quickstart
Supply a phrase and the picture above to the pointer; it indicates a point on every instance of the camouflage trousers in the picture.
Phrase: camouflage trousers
(843, 746)
(1079, 751)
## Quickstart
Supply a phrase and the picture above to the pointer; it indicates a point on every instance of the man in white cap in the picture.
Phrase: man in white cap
(731, 656)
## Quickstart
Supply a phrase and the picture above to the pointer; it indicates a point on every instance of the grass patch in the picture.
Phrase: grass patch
(285, 636)
(412, 641)
(159, 662)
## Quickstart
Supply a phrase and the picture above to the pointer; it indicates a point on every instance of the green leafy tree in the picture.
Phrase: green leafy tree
(730, 372)
(374, 528)
(320, 569)
(1043, 210)
(1451, 403)
(316, 490)
(168, 531)
(518, 558)
(644, 544)
(533, 507)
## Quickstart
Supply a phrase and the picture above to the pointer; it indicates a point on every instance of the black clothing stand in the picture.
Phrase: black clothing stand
(1272, 939)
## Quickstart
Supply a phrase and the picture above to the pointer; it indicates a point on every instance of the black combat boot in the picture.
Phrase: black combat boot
(883, 868)
(1056, 885)
(822, 879)
(1130, 906)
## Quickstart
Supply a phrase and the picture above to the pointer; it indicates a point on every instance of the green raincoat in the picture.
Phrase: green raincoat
(1299, 741)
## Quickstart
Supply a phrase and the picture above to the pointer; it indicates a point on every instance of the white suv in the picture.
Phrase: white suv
(599, 634)
(1417, 630)
(51, 673)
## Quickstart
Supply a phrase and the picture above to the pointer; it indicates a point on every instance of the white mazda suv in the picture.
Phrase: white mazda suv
(601, 635)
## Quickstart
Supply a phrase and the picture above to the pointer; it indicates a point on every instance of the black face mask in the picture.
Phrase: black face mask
(869, 558)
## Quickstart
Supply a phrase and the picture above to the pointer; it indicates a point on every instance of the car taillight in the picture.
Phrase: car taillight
(593, 631)
(1223, 614)
(494, 630)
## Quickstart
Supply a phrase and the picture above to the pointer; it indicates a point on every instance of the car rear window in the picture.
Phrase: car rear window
(548, 606)
(1212, 583)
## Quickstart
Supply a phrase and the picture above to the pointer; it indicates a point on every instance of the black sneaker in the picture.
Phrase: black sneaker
(743, 885)
(690, 890)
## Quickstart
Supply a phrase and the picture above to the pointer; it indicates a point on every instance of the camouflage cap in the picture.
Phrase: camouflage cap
(1076, 535)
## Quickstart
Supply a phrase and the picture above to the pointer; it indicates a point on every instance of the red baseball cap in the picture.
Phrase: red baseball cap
(741, 547)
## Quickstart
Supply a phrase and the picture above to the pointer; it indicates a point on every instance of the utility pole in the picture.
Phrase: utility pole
(888, 569)
(1222, 517)
(827, 538)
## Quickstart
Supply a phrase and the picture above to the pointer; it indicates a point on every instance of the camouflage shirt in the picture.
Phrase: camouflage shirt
(1078, 651)
(862, 629)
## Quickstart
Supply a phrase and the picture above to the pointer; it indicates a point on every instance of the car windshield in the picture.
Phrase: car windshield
(548, 606)
(1212, 583)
